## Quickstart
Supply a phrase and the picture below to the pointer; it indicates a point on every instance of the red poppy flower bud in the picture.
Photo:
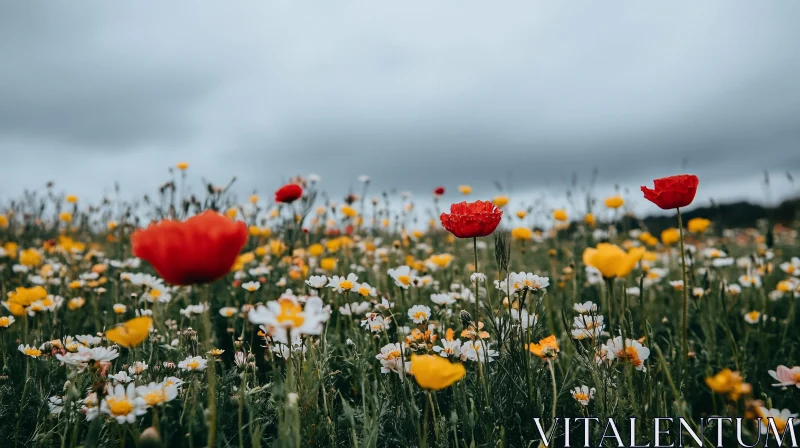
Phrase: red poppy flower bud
(438, 191)
(288, 193)
(672, 192)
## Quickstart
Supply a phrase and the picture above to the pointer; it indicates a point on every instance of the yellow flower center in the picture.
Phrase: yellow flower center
(155, 397)
(420, 315)
(292, 312)
(582, 397)
(47, 302)
(119, 406)
(404, 279)
(363, 291)
(193, 364)
(155, 293)
(393, 354)
(632, 354)
(753, 315)
(229, 313)
(346, 284)
(32, 352)
(796, 377)
(4, 321)
(790, 269)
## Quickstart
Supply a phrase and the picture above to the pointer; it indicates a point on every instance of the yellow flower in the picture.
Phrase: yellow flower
(435, 372)
(729, 383)
(65, 216)
(560, 215)
(3, 221)
(611, 260)
(24, 297)
(231, 212)
(315, 250)
(589, 219)
(76, 303)
(131, 333)
(500, 201)
(328, 264)
(112, 225)
(670, 236)
(277, 247)
(698, 225)
(442, 260)
(546, 348)
(183, 165)
(72, 199)
(253, 199)
(614, 201)
(465, 189)
(521, 214)
(349, 211)
(30, 257)
(216, 351)
(6, 321)
(521, 233)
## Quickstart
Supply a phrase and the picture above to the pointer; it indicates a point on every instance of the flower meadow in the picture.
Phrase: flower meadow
(199, 318)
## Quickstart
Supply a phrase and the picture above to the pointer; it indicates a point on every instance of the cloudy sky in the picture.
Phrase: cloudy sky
(415, 94)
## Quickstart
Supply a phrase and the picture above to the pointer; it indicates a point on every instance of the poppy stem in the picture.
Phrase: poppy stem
(477, 300)
(685, 322)
(211, 370)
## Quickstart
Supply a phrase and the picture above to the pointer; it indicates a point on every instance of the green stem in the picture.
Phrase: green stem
(685, 322)
(211, 370)
(477, 300)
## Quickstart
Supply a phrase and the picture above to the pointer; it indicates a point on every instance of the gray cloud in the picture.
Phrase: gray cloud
(416, 95)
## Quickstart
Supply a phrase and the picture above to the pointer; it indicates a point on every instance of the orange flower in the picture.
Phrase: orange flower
(546, 348)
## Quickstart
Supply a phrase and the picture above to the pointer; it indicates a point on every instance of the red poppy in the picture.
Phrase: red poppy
(288, 193)
(472, 219)
(438, 191)
(199, 250)
(672, 192)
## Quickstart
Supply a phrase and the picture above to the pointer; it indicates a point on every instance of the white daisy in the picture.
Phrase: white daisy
(342, 284)
(122, 403)
(419, 313)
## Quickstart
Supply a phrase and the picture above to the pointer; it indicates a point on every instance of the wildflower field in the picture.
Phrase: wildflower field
(194, 317)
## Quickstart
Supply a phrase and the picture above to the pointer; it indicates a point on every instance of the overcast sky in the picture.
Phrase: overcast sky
(414, 94)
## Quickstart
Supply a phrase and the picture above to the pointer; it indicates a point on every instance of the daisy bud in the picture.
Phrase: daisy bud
(150, 438)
